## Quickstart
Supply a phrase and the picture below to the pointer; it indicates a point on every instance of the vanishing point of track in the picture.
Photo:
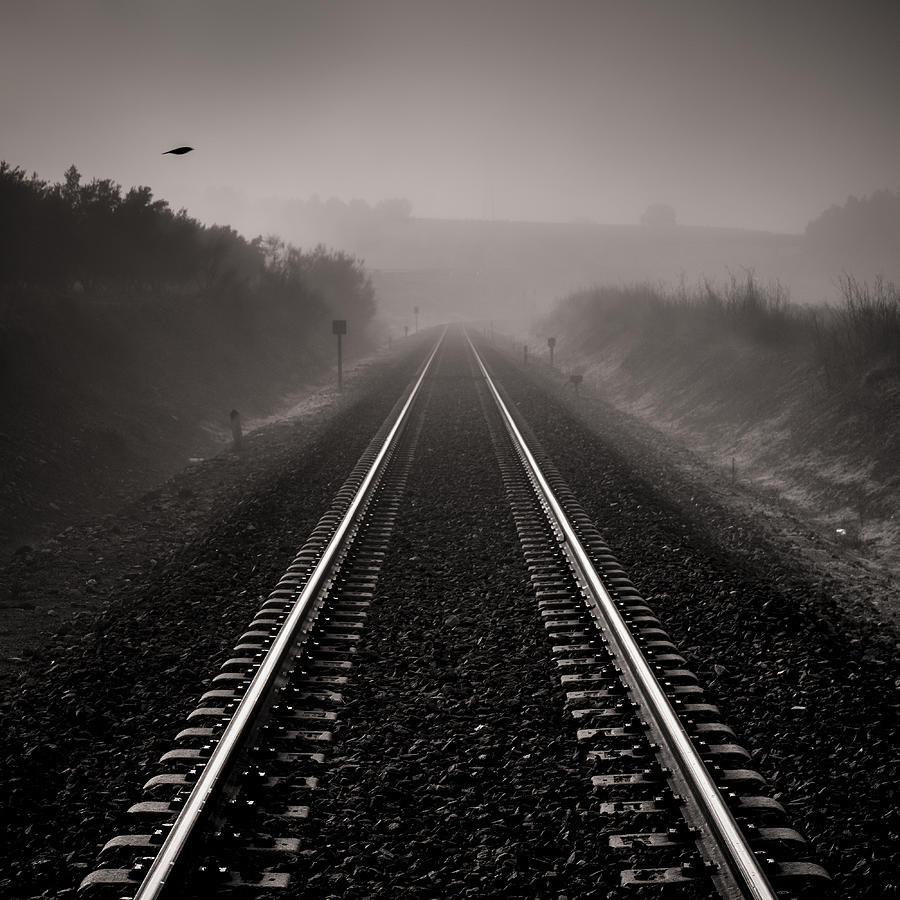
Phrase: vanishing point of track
(669, 789)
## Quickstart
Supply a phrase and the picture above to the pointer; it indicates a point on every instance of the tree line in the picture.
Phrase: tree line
(91, 236)
(868, 225)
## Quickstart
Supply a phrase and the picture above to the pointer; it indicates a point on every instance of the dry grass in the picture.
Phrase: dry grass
(806, 398)
(851, 343)
(863, 334)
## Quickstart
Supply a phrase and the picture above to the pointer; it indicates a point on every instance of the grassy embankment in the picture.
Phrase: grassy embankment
(806, 401)
(105, 397)
(129, 331)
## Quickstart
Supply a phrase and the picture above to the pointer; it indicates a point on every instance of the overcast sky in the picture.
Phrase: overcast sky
(756, 114)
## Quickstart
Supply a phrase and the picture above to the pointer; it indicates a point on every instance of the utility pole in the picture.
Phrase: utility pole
(339, 327)
(551, 343)
(416, 314)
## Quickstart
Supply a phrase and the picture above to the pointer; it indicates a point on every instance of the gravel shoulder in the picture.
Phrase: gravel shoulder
(795, 652)
(801, 667)
(146, 605)
(48, 588)
(795, 512)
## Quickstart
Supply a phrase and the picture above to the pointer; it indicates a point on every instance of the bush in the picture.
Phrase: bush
(848, 342)
(742, 307)
(91, 237)
(863, 334)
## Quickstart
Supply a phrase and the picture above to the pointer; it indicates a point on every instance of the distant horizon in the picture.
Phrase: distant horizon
(203, 217)
(738, 115)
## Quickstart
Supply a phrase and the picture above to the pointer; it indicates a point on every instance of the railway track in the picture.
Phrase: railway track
(661, 796)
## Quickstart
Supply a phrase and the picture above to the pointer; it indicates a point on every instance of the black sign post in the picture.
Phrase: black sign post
(339, 327)
(416, 314)
(551, 343)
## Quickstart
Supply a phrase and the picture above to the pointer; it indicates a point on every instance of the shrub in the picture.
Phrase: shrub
(852, 343)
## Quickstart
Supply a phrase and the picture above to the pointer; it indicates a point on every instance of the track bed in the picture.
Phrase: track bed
(458, 726)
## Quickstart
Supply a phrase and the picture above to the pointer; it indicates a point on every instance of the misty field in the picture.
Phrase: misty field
(800, 401)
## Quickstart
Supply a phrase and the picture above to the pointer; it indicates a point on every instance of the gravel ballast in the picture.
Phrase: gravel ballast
(89, 709)
(807, 677)
(452, 773)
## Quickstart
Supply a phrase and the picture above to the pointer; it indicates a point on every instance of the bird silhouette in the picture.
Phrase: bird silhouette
(179, 151)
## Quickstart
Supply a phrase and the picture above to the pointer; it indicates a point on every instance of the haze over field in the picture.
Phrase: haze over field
(737, 115)
(755, 115)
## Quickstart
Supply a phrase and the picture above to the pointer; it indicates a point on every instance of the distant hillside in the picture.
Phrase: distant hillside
(862, 236)
(487, 269)
(509, 269)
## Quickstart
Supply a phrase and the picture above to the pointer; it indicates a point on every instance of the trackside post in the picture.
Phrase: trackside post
(339, 327)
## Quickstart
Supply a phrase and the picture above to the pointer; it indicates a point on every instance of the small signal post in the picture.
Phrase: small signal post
(339, 327)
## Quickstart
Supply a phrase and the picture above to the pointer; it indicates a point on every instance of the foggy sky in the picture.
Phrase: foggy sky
(755, 114)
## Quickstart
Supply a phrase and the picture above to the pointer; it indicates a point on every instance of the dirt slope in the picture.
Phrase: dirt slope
(764, 424)
(104, 399)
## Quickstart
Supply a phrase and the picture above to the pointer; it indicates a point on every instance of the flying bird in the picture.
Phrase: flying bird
(179, 151)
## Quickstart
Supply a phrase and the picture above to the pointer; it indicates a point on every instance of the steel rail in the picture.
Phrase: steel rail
(189, 821)
(738, 873)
